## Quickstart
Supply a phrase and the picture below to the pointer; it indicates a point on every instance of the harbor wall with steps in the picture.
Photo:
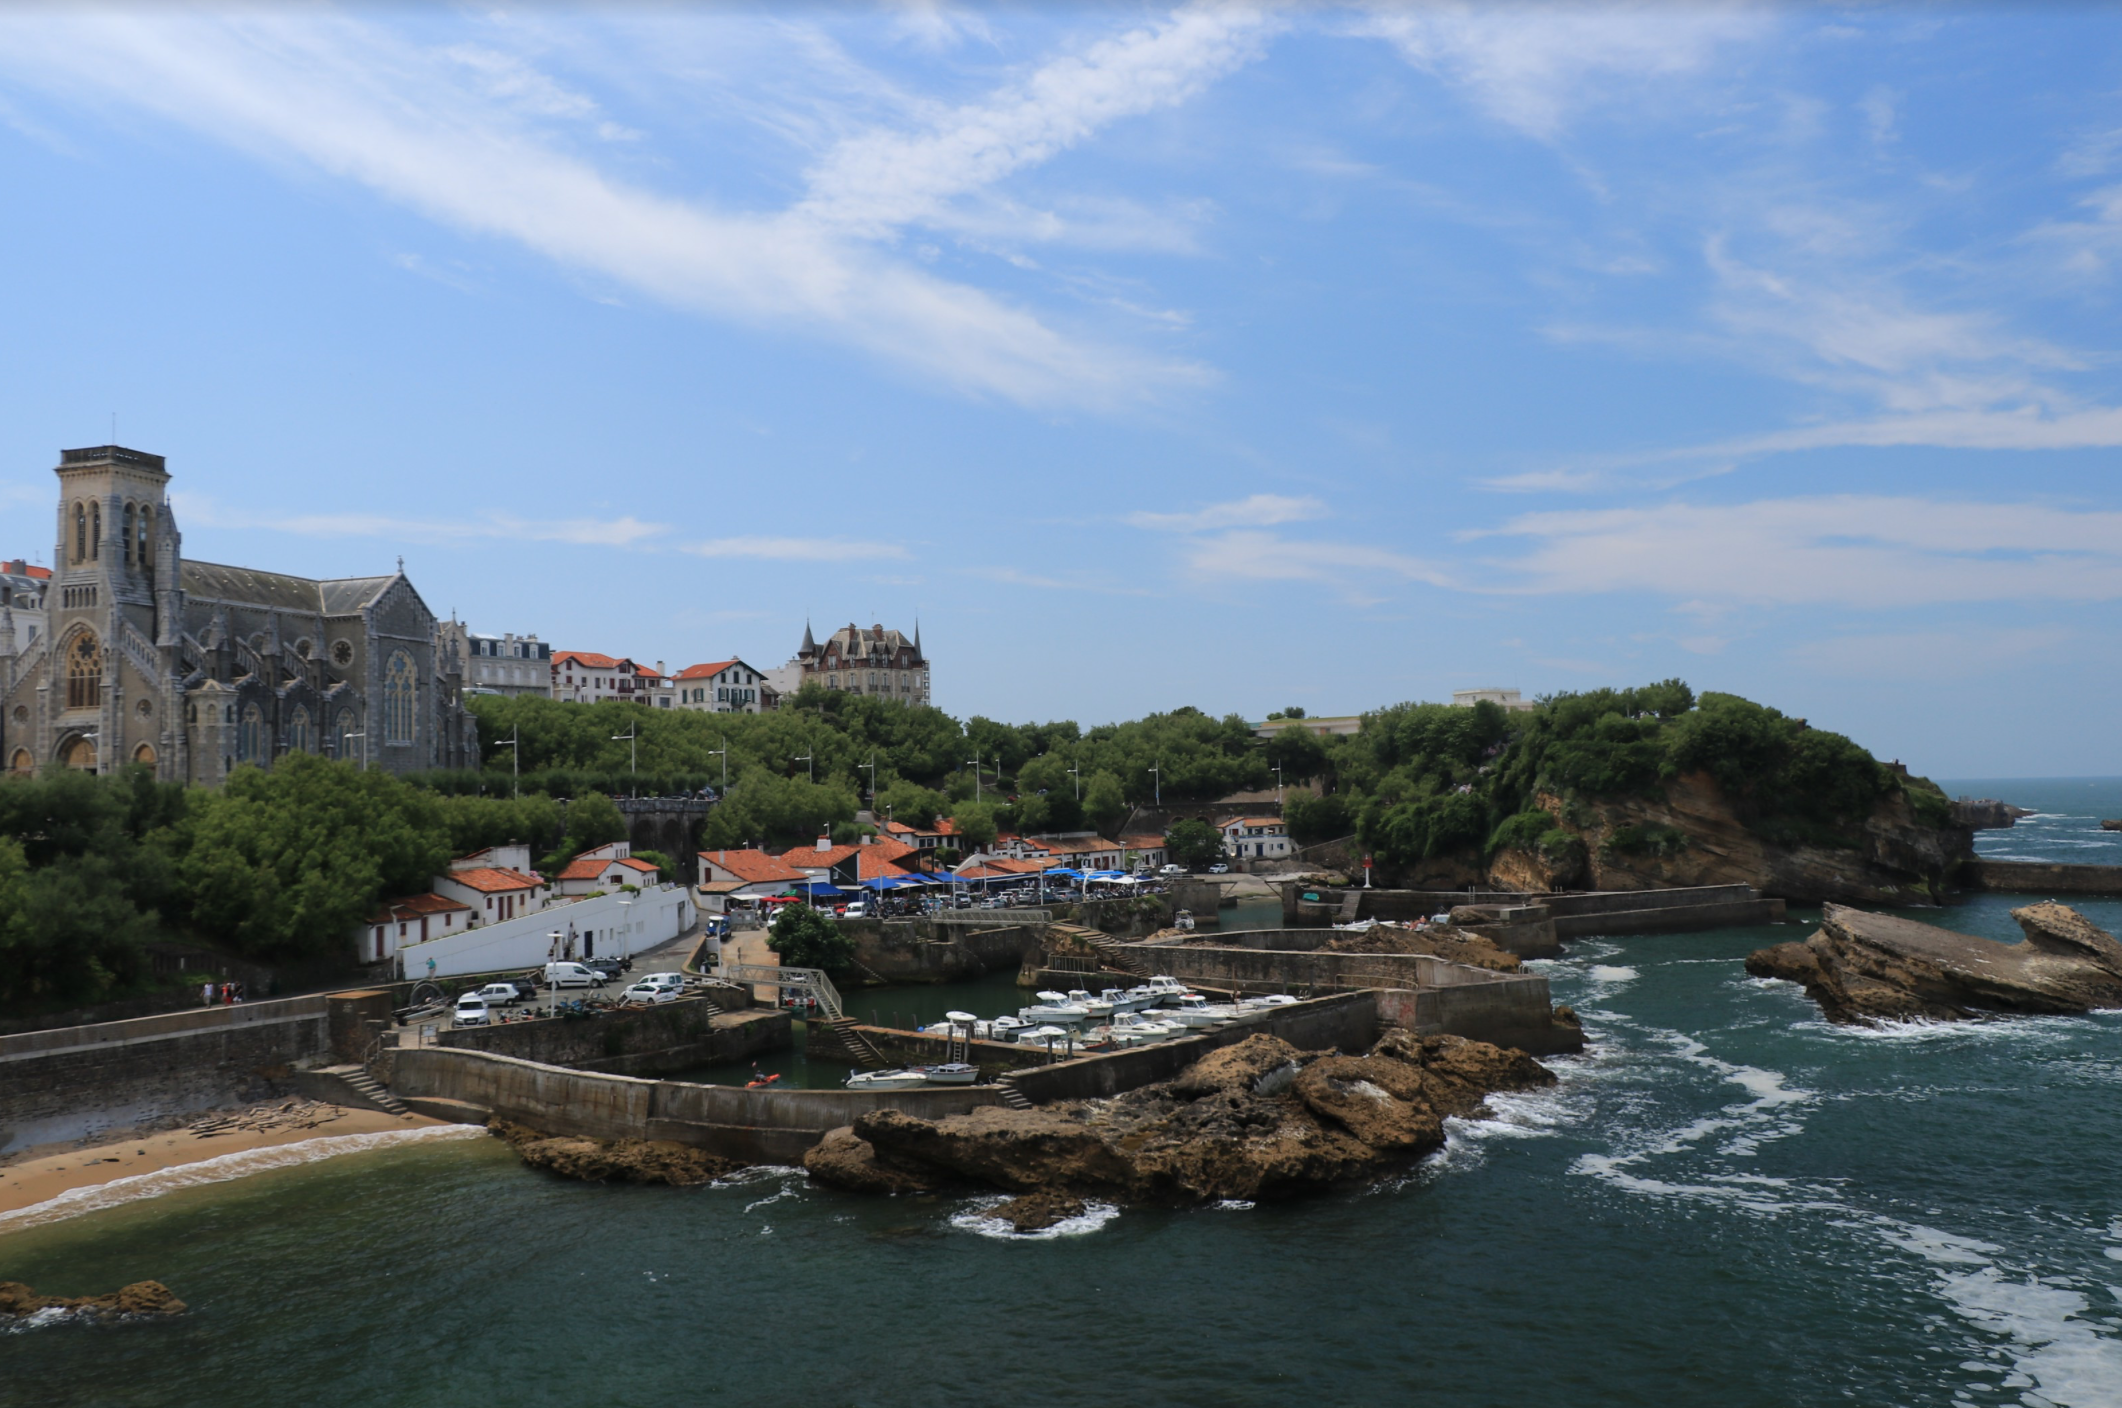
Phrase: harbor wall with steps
(760, 1126)
(1574, 915)
(633, 1041)
(919, 951)
(2041, 878)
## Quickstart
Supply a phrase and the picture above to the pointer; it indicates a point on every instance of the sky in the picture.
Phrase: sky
(1214, 355)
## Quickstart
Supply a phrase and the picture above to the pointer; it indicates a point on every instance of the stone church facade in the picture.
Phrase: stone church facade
(196, 669)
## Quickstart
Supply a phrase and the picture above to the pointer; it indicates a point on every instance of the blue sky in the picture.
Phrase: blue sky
(1214, 355)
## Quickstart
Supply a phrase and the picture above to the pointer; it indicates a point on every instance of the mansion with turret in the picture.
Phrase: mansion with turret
(194, 668)
(859, 660)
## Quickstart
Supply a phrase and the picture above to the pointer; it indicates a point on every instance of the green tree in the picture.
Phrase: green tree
(1193, 843)
(287, 864)
(68, 932)
(976, 825)
(1105, 804)
(806, 938)
(909, 802)
(1313, 819)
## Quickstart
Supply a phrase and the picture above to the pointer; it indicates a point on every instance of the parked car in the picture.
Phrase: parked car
(1219, 868)
(650, 992)
(573, 975)
(526, 987)
(496, 995)
(1173, 870)
(611, 968)
(857, 910)
(674, 981)
(470, 1011)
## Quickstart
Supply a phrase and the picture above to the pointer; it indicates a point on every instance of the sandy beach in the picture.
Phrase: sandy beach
(37, 1176)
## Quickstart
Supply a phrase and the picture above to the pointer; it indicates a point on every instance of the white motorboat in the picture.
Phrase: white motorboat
(1133, 1000)
(1164, 987)
(1054, 1007)
(909, 1077)
(886, 1080)
(1111, 1037)
(1359, 926)
(1192, 1010)
(1183, 921)
(1096, 1009)
(1002, 1029)
(1040, 1035)
(1145, 1027)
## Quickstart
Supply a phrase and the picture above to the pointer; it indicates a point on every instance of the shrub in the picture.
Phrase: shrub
(806, 938)
(1657, 842)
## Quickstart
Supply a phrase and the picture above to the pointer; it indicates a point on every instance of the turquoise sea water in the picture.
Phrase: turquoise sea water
(1726, 1201)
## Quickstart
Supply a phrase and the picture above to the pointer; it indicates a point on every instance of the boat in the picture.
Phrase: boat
(1040, 1035)
(1054, 1007)
(910, 1077)
(1146, 1028)
(1164, 987)
(1133, 1000)
(1192, 1010)
(1097, 1009)
(1184, 921)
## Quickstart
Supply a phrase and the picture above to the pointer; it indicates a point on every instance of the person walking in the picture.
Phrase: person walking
(206, 994)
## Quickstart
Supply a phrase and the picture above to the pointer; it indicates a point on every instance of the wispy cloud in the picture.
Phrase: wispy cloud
(462, 137)
(875, 183)
(199, 511)
(1011, 576)
(1257, 511)
(1845, 550)
(1359, 572)
(795, 549)
(1530, 65)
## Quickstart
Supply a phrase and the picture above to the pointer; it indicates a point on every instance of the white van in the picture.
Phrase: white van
(572, 975)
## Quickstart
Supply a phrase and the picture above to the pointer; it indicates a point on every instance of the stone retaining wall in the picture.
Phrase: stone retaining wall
(2041, 878)
(760, 1126)
(635, 1041)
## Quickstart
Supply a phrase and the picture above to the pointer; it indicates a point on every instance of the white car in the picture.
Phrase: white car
(495, 995)
(1173, 870)
(650, 993)
(470, 1012)
(674, 981)
(572, 975)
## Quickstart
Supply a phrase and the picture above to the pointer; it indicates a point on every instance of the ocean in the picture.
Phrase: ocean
(1726, 1200)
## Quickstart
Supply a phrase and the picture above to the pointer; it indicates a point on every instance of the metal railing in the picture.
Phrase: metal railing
(802, 982)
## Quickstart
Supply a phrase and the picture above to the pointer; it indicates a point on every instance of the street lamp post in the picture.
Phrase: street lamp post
(976, 776)
(872, 766)
(1076, 772)
(1158, 773)
(723, 753)
(552, 980)
(626, 930)
(810, 760)
(515, 759)
(1278, 784)
(363, 736)
(633, 754)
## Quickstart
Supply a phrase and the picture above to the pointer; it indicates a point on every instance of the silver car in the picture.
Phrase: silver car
(471, 1011)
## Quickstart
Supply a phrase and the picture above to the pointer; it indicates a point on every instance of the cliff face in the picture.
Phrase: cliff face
(1693, 836)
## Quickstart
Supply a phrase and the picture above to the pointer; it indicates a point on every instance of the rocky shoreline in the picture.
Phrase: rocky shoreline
(1255, 1120)
(613, 1160)
(1865, 968)
(140, 1298)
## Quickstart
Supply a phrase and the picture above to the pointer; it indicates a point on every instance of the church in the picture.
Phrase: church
(196, 669)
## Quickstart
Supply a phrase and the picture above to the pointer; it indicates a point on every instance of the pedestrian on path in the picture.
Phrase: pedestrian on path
(206, 994)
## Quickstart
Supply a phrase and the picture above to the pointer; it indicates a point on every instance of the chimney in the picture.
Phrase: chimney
(659, 667)
(825, 842)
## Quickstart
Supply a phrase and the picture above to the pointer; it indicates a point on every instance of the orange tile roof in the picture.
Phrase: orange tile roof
(1248, 821)
(584, 870)
(704, 672)
(41, 573)
(631, 864)
(414, 906)
(588, 659)
(871, 865)
(754, 867)
(492, 878)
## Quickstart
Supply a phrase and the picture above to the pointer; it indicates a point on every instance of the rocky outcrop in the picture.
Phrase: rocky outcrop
(1692, 835)
(1035, 1212)
(140, 1298)
(1865, 968)
(1257, 1119)
(1987, 814)
(2112, 824)
(614, 1160)
(1457, 945)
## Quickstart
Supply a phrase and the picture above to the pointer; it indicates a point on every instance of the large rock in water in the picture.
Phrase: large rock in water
(140, 1298)
(1256, 1119)
(1863, 967)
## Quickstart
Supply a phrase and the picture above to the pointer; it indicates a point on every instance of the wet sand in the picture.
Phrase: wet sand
(37, 1176)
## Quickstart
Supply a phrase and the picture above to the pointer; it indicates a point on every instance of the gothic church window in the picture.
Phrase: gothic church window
(398, 699)
(22, 764)
(298, 731)
(146, 539)
(250, 738)
(84, 673)
(128, 534)
(342, 653)
(95, 531)
(80, 533)
(340, 730)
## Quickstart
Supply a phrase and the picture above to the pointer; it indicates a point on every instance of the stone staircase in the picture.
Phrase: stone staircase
(858, 1046)
(364, 1088)
(1012, 1097)
(1111, 952)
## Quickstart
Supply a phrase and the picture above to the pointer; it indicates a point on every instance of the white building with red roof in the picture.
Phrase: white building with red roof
(412, 920)
(721, 687)
(1256, 837)
(604, 868)
(585, 677)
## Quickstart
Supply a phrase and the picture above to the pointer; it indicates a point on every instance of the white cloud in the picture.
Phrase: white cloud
(795, 549)
(422, 128)
(1258, 511)
(1847, 550)
(1529, 65)
(200, 511)
(1938, 654)
(1248, 555)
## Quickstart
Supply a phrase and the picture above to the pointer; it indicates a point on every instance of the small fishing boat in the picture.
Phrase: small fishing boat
(1054, 1007)
(1040, 1035)
(909, 1077)
(1184, 921)
(1192, 1010)
(1133, 1000)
